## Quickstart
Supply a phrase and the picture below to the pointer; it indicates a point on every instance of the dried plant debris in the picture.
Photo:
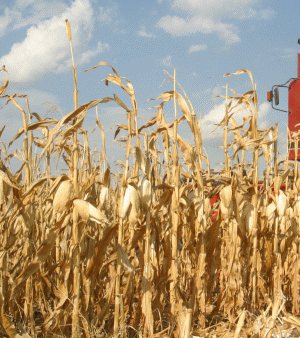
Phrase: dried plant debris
(167, 247)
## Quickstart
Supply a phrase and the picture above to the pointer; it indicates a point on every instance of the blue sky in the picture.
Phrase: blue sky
(203, 39)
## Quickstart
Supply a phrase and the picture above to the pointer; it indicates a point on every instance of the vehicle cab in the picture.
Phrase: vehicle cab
(293, 86)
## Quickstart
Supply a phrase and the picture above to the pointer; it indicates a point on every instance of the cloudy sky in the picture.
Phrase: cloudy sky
(203, 39)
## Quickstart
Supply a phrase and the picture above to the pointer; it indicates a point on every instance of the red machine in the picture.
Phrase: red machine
(293, 86)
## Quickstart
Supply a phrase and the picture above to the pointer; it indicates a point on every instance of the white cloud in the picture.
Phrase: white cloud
(167, 61)
(282, 52)
(215, 8)
(46, 47)
(37, 97)
(31, 12)
(22, 4)
(143, 32)
(217, 91)
(106, 14)
(34, 11)
(197, 48)
(287, 53)
(206, 17)
(263, 110)
(5, 20)
(178, 26)
(86, 56)
(209, 121)
(267, 14)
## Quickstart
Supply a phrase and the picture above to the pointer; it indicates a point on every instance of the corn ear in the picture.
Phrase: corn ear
(62, 196)
(88, 212)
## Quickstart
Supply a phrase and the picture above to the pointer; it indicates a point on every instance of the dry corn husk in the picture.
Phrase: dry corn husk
(192, 195)
(104, 197)
(270, 212)
(282, 204)
(226, 212)
(195, 199)
(5, 190)
(290, 212)
(247, 214)
(226, 204)
(62, 196)
(88, 212)
(145, 190)
(201, 212)
(4, 86)
(297, 207)
(226, 196)
(131, 198)
(297, 184)
(240, 198)
(203, 207)
(131, 205)
(48, 211)
(19, 224)
(207, 206)
(201, 222)
(127, 200)
(5, 178)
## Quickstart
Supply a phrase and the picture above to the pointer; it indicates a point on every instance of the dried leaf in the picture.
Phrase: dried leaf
(4, 87)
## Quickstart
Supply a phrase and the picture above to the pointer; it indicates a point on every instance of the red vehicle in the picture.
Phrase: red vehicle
(293, 86)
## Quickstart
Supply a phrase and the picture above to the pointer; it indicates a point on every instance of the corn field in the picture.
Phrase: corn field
(144, 253)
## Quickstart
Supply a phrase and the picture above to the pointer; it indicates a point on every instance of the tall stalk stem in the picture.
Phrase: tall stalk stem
(120, 231)
(254, 202)
(76, 332)
(175, 218)
(227, 172)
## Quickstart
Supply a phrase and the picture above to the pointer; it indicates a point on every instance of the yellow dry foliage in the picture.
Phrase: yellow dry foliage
(144, 252)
